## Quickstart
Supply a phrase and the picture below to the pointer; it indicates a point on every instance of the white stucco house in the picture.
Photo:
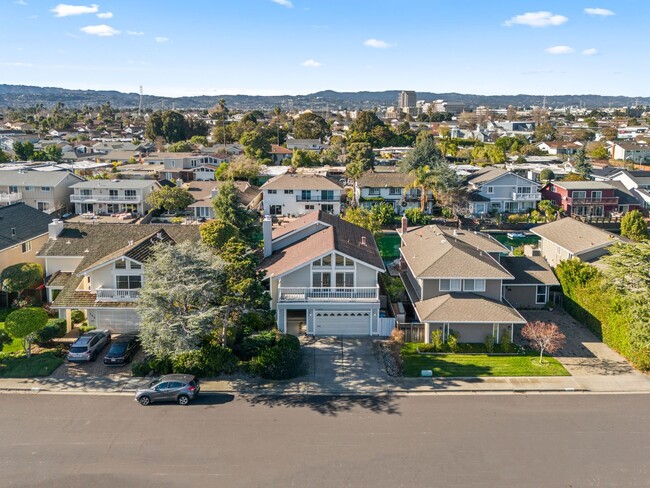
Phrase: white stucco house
(323, 276)
(297, 194)
(112, 196)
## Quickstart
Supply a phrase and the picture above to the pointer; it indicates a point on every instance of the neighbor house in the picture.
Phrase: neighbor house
(455, 281)
(498, 190)
(631, 151)
(296, 194)
(108, 197)
(589, 198)
(48, 191)
(305, 144)
(280, 153)
(204, 191)
(388, 187)
(569, 238)
(186, 166)
(323, 276)
(98, 268)
(556, 148)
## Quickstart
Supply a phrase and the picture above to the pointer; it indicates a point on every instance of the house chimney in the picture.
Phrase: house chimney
(267, 230)
(405, 224)
(456, 233)
(363, 241)
(55, 228)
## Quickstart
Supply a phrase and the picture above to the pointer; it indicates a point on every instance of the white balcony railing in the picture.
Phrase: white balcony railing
(115, 295)
(11, 197)
(526, 197)
(75, 198)
(301, 294)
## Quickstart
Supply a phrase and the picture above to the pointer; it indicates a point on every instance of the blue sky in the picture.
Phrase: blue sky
(300, 46)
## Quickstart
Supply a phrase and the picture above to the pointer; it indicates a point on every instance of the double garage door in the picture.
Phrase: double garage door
(117, 321)
(342, 323)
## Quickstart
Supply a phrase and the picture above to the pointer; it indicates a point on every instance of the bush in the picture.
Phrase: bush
(218, 359)
(452, 342)
(397, 337)
(84, 329)
(3, 313)
(518, 251)
(278, 363)
(253, 345)
(77, 316)
(289, 341)
(140, 368)
(4, 339)
(190, 362)
(517, 218)
(436, 340)
(489, 343)
(256, 321)
(416, 216)
(55, 328)
(506, 343)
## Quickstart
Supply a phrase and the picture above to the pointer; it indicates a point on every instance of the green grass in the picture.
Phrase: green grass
(20, 366)
(463, 365)
(15, 346)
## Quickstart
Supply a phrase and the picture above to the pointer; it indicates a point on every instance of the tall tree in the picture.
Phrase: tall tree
(228, 209)
(361, 153)
(19, 277)
(256, 144)
(310, 126)
(170, 198)
(581, 165)
(634, 226)
(216, 233)
(354, 170)
(424, 153)
(24, 150)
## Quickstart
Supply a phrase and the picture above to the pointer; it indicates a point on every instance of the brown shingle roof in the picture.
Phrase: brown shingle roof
(431, 253)
(574, 236)
(529, 270)
(466, 308)
(372, 179)
(300, 182)
(275, 149)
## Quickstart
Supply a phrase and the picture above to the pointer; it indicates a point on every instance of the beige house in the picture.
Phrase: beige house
(112, 196)
(48, 191)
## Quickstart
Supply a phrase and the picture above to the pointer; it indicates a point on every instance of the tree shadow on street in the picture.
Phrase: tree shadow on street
(328, 404)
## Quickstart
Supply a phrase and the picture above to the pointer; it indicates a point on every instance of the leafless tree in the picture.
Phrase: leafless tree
(543, 336)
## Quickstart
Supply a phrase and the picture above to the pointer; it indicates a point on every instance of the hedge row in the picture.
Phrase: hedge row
(590, 300)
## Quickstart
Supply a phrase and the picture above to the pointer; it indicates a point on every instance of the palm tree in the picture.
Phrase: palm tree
(425, 180)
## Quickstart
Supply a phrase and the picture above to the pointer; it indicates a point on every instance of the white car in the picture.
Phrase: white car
(88, 346)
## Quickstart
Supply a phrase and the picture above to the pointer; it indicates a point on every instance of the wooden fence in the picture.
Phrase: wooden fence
(412, 332)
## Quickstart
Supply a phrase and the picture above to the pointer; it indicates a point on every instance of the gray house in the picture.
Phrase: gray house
(498, 190)
(47, 191)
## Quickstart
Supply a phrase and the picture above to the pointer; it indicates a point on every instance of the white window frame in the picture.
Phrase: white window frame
(477, 285)
(26, 246)
(374, 191)
(456, 282)
(46, 205)
(272, 192)
(537, 294)
(489, 189)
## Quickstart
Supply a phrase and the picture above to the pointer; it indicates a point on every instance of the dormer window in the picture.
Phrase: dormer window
(120, 264)
(135, 265)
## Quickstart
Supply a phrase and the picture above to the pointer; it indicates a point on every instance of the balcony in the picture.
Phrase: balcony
(300, 294)
(526, 197)
(9, 198)
(592, 201)
(115, 295)
(76, 198)
(315, 198)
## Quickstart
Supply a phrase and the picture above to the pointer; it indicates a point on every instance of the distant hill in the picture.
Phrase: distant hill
(25, 96)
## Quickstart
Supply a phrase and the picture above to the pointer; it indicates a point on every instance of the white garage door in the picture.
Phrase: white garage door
(117, 321)
(338, 323)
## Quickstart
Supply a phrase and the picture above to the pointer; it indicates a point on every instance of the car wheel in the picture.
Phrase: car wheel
(144, 400)
(183, 400)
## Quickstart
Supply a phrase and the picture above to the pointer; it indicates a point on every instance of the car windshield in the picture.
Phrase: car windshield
(117, 348)
(75, 349)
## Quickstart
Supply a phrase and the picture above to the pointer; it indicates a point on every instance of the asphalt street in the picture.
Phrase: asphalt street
(455, 440)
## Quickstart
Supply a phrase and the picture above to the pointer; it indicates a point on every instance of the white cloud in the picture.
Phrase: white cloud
(161, 40)
(284, 3)
(559, 50)
(537, 19)
(310, 63)
(20, 2)
(105, 15)
(19, 65)
(135, 33)
(601, 12)
(64, 10)
(590, 52)
(101, 30)
(376, 43)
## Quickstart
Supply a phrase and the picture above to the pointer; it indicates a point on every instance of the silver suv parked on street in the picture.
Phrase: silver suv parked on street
(87, 347)
(180, 388)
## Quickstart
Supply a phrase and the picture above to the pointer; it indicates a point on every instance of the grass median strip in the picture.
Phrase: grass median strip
(469, 365)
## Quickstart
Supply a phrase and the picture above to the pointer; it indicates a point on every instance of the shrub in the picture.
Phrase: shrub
(489, 343)
(54, 328)
(140, 368)
(518, 251)
(252, 346)
(256, 321)
(161, 365)
(77, 316)
(416, 216)
(452, 341)
(278, 363)
(289, 341)
(190, 362)
(218, 359)
(397, 337)
(84, 329)
(506, 343)
(4, 339)
(3, 313)
(517, 218)
(436, 340)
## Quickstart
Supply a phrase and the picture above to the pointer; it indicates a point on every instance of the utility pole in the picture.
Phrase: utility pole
(140, 106)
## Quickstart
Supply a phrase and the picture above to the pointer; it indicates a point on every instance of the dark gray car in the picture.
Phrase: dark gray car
(180, 388)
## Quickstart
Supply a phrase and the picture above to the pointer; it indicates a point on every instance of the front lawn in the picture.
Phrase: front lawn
(20, 366)
(15, 346)
(468, 365)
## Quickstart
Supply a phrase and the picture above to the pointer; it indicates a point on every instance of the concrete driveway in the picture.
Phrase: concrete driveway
(341, 363)
(587, 358)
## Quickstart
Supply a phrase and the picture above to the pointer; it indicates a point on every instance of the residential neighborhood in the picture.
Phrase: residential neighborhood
(299, 266)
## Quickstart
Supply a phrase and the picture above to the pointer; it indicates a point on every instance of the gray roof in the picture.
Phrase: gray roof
(574, 236)
(582, 185)
(34, 178)
(300, 182)
(486, 174)
(378, 180)
(20, 223)
(432, 253)
(129, 184)
(466, 308)
(529, 270)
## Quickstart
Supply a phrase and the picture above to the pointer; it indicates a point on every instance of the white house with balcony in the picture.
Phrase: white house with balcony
(322, 274)
(498, 190)
(299, 194)
(99, 268)
(111, 197)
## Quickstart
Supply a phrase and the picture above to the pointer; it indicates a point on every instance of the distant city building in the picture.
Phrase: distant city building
(407, 99)
(451, 107)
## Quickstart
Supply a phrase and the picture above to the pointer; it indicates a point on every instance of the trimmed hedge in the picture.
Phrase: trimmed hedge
(209, 361)
(252, 346)
(591, 301)
(278, 363)
(55, 328)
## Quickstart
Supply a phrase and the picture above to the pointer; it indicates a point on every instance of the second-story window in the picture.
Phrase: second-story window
(306, 195)
(128, 282)
(46, 188)
(121, 264)
(489, 189)
(327, 195)
(129, 193)
(135, 265)
(374, 191)
(112, 193)
(86, 193)
(13, 189)
(288, 192)
(450, 285)
(395, 191)
(272, 192)
(474, 285)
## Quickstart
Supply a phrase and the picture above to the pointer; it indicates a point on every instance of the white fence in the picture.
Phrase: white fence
(386, 326)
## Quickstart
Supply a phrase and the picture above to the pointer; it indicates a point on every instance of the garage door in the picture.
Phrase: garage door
(338, 323)
(117, 321)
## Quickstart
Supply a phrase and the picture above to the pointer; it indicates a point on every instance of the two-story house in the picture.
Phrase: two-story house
(589, 198)
(498, 190)
(631, 151)
(108, 197)
(637, 182)
(323, 276)
(204, 191)
(48, 191)
(98, 269)
(279, 154)
(297, 194)
(455, 282)
(186, 166)
(305, 144)
(23, 230)
(387, 187)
